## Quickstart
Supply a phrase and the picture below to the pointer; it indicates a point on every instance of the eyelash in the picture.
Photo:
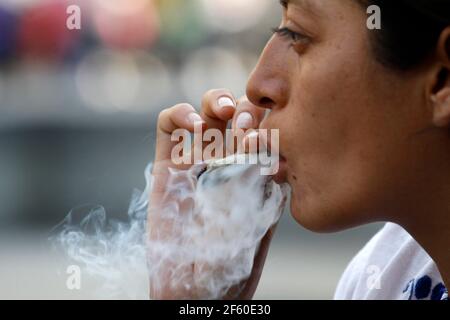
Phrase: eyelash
(289, 34)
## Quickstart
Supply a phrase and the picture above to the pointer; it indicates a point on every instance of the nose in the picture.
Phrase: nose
(267, 86)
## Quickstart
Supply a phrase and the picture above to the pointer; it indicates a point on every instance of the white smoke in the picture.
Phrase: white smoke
(200, 240)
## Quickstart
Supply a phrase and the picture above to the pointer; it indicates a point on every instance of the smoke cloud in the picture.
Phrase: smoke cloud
(201, 238)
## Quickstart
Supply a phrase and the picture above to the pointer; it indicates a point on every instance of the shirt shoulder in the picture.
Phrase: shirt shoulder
(392, 265)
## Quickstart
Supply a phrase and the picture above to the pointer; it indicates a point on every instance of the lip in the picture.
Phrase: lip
(281, 176)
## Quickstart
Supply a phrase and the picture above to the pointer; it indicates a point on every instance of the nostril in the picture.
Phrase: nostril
(266, 102)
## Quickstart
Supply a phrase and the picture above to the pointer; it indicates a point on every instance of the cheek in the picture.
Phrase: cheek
(331, 138)
(312, 145)
(318, 124)
(343, 137)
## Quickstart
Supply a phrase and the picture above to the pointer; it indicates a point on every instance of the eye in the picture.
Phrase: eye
(294, 37)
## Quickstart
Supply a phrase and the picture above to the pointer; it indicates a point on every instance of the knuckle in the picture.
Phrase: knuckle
(163, 115)
(216, 93)
(182, 106)
(207, 96)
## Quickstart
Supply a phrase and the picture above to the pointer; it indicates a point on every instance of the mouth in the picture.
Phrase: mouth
(281, 176)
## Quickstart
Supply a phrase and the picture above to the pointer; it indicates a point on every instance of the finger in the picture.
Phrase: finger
(247, 115)
(253, 142)
(218, 107)
(180, 116)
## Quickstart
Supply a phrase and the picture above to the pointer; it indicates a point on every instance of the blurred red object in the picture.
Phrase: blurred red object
(43, 32)
(126, 24)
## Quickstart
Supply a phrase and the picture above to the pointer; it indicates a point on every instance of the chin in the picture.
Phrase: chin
(318, 218)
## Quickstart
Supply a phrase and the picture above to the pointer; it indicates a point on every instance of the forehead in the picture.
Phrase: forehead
(309, 6)
(323, 8)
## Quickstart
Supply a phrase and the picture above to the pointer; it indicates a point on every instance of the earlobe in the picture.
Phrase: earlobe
(441, 108)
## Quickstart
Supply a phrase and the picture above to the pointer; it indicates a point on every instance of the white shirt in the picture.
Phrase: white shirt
(391, 266)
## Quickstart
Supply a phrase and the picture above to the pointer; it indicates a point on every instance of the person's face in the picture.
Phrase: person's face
(347, 124)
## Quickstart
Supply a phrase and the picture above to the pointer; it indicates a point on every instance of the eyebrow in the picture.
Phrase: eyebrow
(306, 5)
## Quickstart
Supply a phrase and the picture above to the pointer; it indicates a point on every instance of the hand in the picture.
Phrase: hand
(218, 108)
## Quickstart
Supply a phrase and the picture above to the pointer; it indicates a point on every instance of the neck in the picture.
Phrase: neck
(428, 222)
(435, 239)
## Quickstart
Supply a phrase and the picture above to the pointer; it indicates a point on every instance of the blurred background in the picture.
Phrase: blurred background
(77, 120)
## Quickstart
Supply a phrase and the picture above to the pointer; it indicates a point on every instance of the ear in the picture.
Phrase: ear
(440, 90)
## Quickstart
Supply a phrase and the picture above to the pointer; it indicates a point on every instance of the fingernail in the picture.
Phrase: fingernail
(225, 102)
(252, 135)
(244, 120)
(194, 118)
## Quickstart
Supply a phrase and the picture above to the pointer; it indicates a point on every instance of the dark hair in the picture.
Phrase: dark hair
(409, 32)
